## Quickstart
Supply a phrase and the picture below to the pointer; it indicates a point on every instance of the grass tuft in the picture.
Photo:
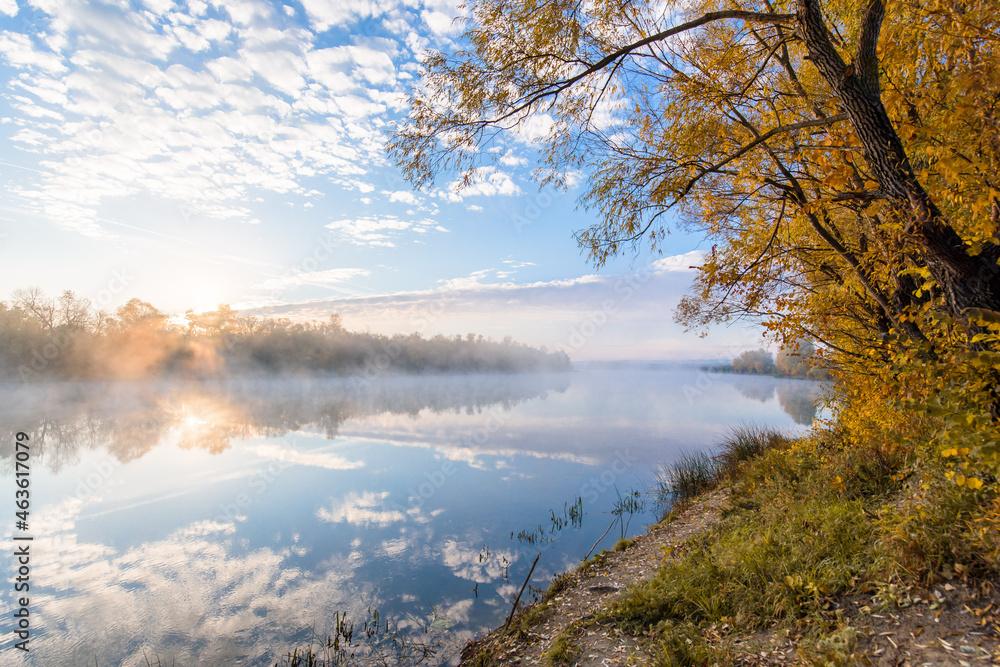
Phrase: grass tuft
(695, 473)
(684, 645)
(622, 544)
(562, 652)
(745, 443)
(558, 585)
(944, 530)
(686, 478)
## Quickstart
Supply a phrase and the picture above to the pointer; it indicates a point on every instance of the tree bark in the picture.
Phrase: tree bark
(966, 281)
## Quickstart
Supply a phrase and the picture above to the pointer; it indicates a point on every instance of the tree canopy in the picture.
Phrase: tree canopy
(841, 157)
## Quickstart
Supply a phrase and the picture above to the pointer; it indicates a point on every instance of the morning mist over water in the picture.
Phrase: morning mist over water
(228, 522)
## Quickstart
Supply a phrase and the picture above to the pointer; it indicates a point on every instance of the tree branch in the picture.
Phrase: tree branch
(866, 60)
(829, 120)
(554, 89)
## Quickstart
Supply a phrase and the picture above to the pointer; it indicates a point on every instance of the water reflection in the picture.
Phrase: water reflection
(798, 398)
(130, 419)
(226, 523)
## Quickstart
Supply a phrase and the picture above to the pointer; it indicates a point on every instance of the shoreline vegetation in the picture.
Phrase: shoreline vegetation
(66, 338)
(782, 551)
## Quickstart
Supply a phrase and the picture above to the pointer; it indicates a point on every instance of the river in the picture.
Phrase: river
(227, 523)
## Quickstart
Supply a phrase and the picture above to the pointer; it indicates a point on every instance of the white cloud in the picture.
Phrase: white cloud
(282, 69)
(264, 113)
(8, 7)
(440, 23)
(465, 560)
(305, 458)
(405, 196)
(535, 127)
(326, 14)
(18, 50)
(328, 277)
(686, 262)
(194, 580)
(361, 510)
(226, 68)
(380, 230)
(485, 182)
(245, 12)
(511, 160)
(570, 178)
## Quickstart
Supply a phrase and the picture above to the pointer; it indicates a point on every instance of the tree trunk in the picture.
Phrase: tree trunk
(966, 281)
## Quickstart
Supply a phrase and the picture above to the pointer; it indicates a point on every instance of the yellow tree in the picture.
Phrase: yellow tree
(848, 186)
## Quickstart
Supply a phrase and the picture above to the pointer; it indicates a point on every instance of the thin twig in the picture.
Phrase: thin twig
(518, 598)
(600, 538)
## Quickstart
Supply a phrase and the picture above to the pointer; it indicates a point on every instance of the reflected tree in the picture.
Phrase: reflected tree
(130, 419)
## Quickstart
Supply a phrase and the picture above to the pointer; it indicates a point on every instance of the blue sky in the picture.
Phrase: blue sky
(192, 153)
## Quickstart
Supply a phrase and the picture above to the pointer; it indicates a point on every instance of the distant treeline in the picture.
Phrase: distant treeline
(66, 338)
(797, 361)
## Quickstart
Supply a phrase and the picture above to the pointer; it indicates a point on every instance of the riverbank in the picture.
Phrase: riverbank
(564, 628)
(806, 555)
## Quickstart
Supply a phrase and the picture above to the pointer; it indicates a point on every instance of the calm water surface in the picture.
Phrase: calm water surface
(227, 523)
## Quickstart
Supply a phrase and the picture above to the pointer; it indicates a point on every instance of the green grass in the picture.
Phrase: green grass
(805, 522)
(562, 652)
(683, 645)
(558, 585)
(800, 526)
(745, 443)
(944, 531)
(524, 621)
(758, 569)
(622, 544)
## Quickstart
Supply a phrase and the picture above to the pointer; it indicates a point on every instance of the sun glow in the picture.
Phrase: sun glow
(192, 421)
(205, 423)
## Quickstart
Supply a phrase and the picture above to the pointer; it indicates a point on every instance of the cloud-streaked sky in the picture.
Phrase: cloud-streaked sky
(196, 153)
